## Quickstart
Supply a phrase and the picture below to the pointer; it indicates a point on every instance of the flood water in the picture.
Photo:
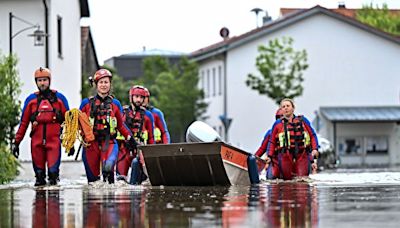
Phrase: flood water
(339, 198)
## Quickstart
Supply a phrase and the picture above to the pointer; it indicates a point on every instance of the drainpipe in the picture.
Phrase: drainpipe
(334, 140)
(46, 30)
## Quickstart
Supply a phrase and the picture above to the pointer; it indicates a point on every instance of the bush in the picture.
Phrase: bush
(8, 165)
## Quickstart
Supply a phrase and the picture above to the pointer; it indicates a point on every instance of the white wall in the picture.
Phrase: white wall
(66, 70)
(215, 102)
(348, 66)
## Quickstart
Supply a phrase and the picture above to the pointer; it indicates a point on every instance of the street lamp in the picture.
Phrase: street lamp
(256, 11)
(38, 34)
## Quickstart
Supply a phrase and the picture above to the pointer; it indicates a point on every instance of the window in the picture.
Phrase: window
(219, 80)
(350, 146)
(214, 81)
(59, 36)
(377, 145)
(202, 80)
(208, 83)
(363, 145)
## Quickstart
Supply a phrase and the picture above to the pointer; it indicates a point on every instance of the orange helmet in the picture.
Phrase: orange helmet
(42, 73)
(279, 114)
(101, 74)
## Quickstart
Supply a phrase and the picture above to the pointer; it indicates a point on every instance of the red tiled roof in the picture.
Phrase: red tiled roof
(343, 11)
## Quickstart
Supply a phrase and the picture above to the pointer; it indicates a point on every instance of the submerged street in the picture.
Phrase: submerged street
(333, 198)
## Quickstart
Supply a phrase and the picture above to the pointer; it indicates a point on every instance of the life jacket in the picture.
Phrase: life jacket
(45, 112)
(293, 138)
(102, 118)
(134, 119)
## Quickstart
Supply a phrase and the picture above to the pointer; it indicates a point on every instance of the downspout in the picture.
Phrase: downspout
(225, 98)
(46, 30)
(334, 141)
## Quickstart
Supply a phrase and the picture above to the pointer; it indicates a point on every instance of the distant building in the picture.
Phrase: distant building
(351, 85)
(129, 66)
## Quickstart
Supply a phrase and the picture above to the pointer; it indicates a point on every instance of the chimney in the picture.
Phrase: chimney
(341, 5)
(144, 48)
(266, 18)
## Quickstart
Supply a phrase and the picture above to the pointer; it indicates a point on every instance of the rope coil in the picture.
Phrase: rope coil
(71, 130)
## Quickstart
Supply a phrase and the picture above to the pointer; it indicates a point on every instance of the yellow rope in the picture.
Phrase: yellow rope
(71, 129)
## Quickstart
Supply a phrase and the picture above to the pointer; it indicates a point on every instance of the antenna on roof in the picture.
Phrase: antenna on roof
(256, 11)
(224, 33)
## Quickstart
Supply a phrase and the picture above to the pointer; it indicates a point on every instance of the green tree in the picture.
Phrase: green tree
(8, 165)
(281, 69)
(179, 97)
(9, 96)
(9, 115)
(380, 18)
(153, 66)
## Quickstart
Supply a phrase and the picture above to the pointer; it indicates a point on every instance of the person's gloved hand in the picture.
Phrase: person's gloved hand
(314, 167)
(71, 151)
(315, 153)
(131, 144)
(15, 150)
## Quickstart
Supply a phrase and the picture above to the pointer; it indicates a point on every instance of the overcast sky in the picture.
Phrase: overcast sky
(125, 26)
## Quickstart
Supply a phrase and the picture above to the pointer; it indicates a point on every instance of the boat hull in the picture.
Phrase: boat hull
(197, 164)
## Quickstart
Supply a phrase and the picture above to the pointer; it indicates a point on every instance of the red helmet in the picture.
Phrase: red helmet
(101, 74)
(137, 90)
(279, 114)
(42, 72)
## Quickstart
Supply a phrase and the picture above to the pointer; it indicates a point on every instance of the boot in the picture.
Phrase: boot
(40, 178)
(108, 176)
(53, 178)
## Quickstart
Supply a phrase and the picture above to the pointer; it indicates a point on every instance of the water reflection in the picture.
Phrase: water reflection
(46, 209)
(266, 205)
(112, 208)
(291, 205)
(284, 204)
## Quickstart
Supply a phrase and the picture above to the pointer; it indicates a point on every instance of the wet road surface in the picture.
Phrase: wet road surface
(340, 198)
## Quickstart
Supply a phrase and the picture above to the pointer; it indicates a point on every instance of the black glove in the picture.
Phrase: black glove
(15, 150)
(71, 151)
(131, 144)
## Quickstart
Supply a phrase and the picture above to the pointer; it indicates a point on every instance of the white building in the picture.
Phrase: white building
(61, 52)
(350, 64)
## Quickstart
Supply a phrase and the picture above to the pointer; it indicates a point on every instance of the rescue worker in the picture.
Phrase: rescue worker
(45, 109)
(161, 134)
(105, 115)
(295, 143)
(263, 148)
(140, 122)
(272, 159)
